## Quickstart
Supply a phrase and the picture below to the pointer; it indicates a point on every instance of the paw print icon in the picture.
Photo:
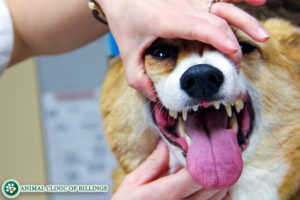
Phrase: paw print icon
(11, 188)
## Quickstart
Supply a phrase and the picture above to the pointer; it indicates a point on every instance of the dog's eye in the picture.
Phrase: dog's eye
(163, 52)
(247, 47)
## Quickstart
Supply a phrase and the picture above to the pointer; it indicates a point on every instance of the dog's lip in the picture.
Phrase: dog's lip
(183, 142)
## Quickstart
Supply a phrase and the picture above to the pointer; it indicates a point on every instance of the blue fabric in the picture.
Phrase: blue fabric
(114, 50)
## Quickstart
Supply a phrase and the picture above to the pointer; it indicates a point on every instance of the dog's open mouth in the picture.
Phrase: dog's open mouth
(211, 136)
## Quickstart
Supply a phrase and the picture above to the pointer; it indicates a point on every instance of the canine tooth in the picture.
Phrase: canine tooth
(181, 128)
(217, 105)
(195, 108)
(228, 110)
(239, 105)
(188, 140)
(231, 103)
(233, 124)
(184, 115)
(173, 114)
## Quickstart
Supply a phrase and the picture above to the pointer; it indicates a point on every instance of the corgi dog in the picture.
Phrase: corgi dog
(237, 129)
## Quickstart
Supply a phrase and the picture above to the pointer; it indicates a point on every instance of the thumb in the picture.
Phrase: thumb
(138, 79)
(136, 74)
(153, 167)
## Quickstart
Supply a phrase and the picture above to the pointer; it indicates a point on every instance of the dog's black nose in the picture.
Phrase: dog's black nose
(201, 81)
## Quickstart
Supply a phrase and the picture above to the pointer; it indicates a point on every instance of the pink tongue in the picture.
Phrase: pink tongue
(214, 158)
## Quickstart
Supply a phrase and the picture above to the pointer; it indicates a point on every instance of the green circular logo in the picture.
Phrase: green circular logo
(11, 188)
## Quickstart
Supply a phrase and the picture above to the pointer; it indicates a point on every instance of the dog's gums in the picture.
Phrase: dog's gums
(212, 137)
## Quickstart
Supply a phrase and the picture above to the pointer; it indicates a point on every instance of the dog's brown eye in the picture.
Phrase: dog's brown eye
(247, 47)
(162, 52)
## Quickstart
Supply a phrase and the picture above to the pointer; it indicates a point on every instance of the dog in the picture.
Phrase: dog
(237, 129)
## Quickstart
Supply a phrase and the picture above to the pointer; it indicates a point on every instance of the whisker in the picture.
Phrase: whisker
(159, 103)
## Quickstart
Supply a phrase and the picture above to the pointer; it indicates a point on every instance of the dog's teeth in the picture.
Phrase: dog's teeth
(173, 114)
(195, 108)
(233, 124)
(188, 140)
(184, 115)
(228, 109)
(181, 128)
(239, 105)
(217, 105)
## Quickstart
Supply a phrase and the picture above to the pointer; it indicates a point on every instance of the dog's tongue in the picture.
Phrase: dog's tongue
(214, 158)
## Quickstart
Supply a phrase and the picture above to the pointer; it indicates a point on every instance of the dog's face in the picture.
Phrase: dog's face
(205, 111)
(213, 114)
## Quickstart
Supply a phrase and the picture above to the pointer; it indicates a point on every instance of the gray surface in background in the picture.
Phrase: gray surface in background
(78, 70)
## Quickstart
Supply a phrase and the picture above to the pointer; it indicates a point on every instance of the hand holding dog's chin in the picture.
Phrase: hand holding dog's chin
(148, 181)
(136, 24)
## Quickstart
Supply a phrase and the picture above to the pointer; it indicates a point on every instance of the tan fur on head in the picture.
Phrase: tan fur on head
(273, 76)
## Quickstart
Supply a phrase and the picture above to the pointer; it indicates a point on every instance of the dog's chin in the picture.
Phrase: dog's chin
(212, 137)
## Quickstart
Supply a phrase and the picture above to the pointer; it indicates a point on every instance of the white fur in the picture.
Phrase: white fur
(259, 183)
(177, 161)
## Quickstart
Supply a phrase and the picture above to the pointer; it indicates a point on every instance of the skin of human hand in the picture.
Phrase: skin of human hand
(149, 181)
(136, 24)
(51, 27)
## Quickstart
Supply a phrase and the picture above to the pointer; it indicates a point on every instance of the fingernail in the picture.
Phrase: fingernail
(263, 33)
(232, 45)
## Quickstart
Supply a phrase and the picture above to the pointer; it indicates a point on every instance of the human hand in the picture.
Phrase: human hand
(136, 24)
(148, 182)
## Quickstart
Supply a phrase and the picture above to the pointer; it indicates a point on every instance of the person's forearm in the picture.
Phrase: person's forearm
(51, 26)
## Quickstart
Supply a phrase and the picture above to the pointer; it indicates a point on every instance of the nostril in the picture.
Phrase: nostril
(190, 83)
(213, 79)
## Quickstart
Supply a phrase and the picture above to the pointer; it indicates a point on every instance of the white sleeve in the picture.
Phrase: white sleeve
(6, 36)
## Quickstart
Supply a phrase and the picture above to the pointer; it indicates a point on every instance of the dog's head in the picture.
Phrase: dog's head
(211, 115)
